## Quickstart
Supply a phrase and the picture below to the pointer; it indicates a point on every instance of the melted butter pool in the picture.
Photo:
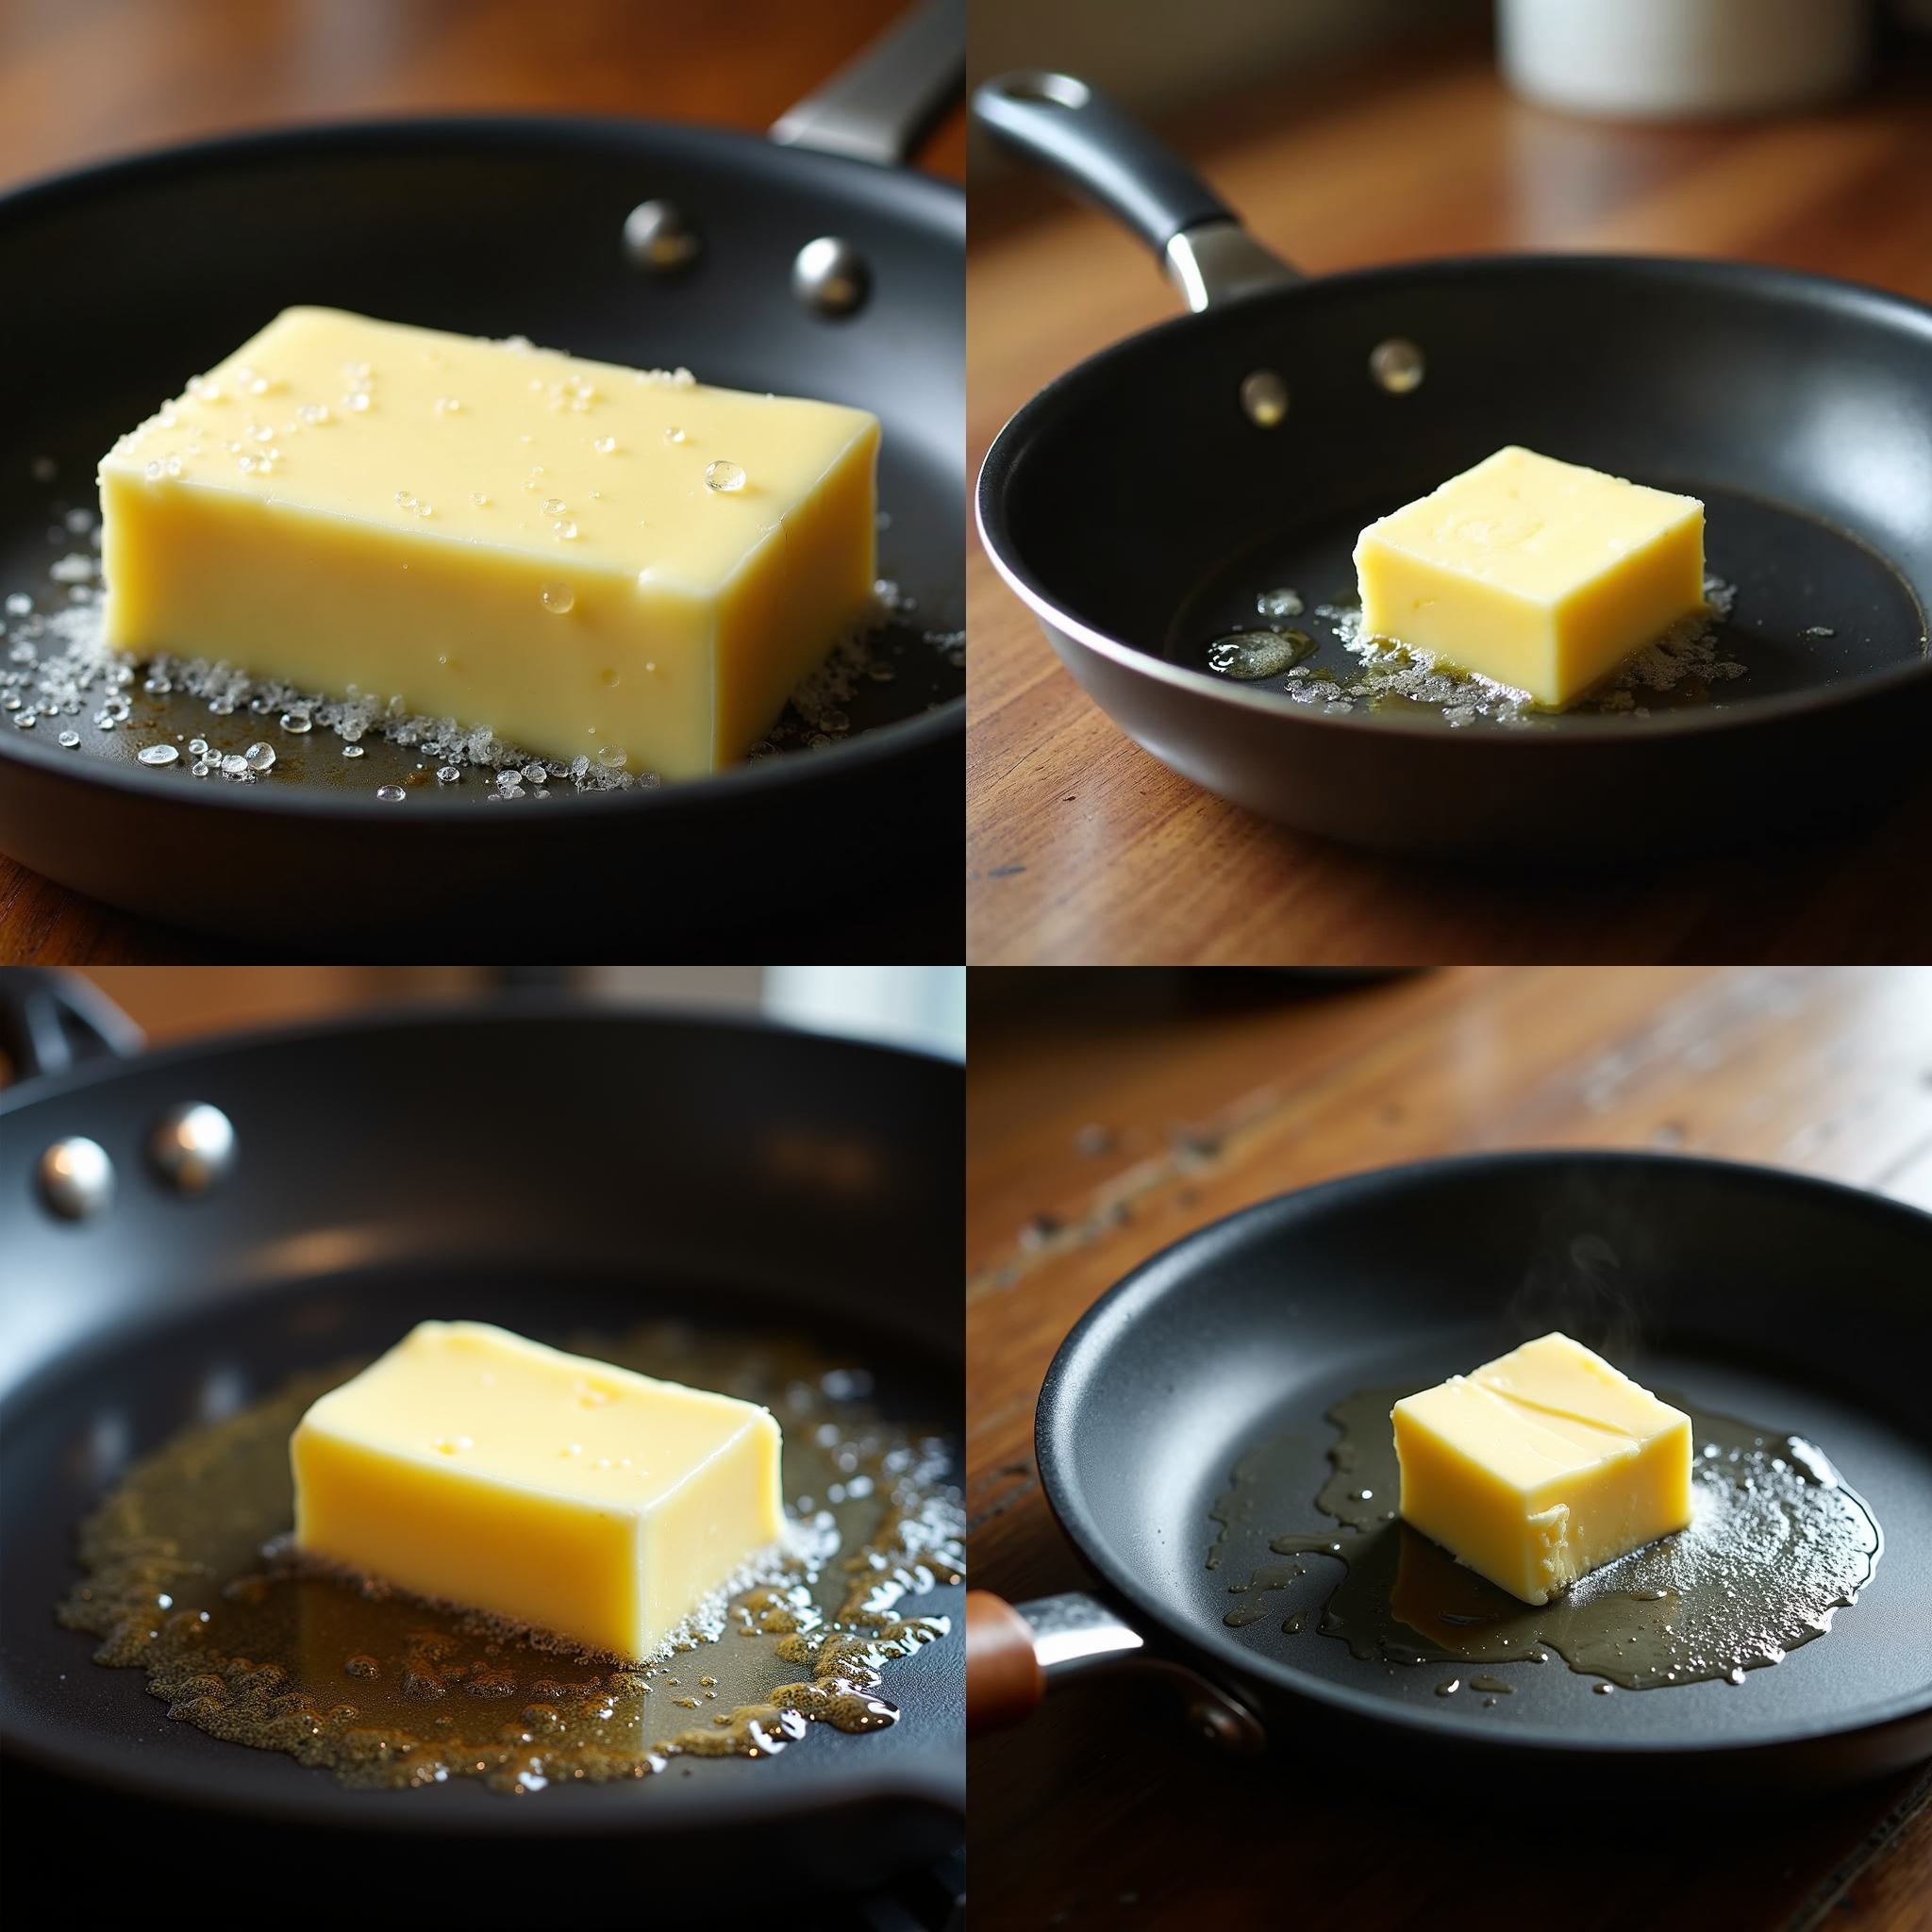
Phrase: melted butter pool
(1776, 1546)
(185, 1580)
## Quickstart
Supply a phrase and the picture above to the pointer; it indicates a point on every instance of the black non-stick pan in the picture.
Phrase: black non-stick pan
(1786, 1302)
(126, 278)
(553, 1167)
(1140, 503)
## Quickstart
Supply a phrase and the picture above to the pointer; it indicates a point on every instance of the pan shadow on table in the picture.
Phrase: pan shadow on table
(1476, 1853)
(1039, 891)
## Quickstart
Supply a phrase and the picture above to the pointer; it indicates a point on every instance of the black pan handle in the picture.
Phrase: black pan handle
(1074, 132)
(51, 1021)
(1016, 1653)
(879, 105)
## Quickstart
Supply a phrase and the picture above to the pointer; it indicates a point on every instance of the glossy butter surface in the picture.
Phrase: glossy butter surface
(1540, 575)
(502, 534)
(1541, 1466)
(470, 1465)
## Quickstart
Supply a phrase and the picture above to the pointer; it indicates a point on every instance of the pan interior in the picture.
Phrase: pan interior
(1799, 410)
(490, 229)
(1795, 576)
(1756, 1295)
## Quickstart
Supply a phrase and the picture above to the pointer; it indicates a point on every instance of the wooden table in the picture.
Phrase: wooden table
(1108, 1115)
(83, 79)
(1081, 846)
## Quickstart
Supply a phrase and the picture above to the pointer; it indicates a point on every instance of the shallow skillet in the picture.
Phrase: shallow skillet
(549, 1166)
(143, 270)
(1139, 504)
(1785, 1301)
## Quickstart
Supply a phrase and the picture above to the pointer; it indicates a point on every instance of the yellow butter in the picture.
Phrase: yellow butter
(471, 1465)
(1541, 1466)
(1540, 575)
(499, 534)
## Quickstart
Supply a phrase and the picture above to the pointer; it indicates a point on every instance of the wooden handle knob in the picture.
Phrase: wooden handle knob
(1004, 1684)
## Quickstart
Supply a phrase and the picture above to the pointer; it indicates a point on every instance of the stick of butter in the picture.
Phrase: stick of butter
(1542, 1465)
(592, 562)
(471, 1466)
(1540, 575)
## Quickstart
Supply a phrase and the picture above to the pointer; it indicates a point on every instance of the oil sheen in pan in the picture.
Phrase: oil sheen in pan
(1812, 604)
(198, 723)
(1776, 1546)
(387, 1692)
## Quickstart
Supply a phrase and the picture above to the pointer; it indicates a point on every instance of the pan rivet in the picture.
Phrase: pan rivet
(193, 1146)
(657, 238)
(1264, 397)
(1397, 365)
(830, 276)
(76, 1178)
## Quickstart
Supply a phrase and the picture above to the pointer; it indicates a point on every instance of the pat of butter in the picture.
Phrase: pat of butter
(1542, 1465)
(589, 560)
(1542, 576)
(470, 1465)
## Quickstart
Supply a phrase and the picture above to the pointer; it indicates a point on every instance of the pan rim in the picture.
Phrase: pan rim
(766, 782)
(931, 1776)
(1020, 430)
(1056, 1420)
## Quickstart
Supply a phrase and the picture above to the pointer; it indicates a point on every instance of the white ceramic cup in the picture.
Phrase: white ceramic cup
(1682, 59)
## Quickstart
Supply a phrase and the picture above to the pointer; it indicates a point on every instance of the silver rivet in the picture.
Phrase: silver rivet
(76, 1178)
(1397, 365)
(830, 276)
(1264, 397)
(193, 1146)
(657, 238)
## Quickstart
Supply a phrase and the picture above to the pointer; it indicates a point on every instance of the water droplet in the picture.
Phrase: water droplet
(352, 750)
(612, 754)
(69, 740)
(477, 497)
(153, 473)
(604, 446)
(449, 774)
(405, 499)
(358, 402)
(157, 754)
(1279, 602)
(297, 721)
(390, 794)
(673, 434)
(260, 758)
(448, 406)
(553, 506)
(565, 530)
(234, 765)
(559, 599)
(723, 478)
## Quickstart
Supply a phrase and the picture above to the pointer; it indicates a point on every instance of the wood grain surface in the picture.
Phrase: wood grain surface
(1081, 846)
(1110, 1113)
(84, 79)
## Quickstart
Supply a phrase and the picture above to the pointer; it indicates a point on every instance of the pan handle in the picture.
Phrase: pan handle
(1016, 1653)
(51, 1021)
(1103, 155)
(880, 104)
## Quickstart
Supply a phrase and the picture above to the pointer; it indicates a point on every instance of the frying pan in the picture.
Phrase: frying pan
(1793, 1303)
(143, 270)
(1139, 504)
(543, 1164)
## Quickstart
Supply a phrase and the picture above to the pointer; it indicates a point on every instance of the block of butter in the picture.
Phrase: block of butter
(471, 1466)
(590, 560)
(1542, 1465)
(1542, 576)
